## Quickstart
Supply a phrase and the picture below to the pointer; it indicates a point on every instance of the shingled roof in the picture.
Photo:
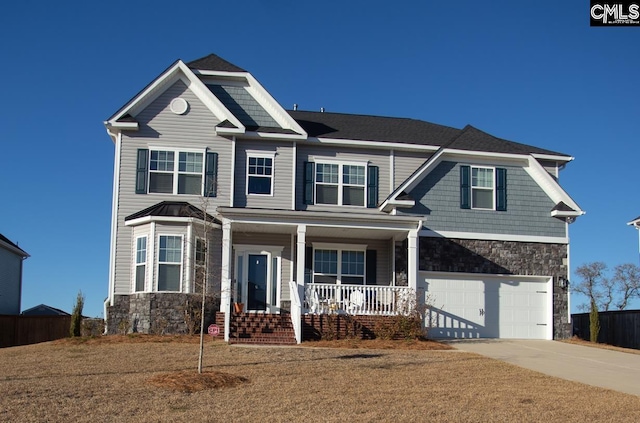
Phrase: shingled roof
(405, 130)
(171, 209)
(473, 139)
(214, 63)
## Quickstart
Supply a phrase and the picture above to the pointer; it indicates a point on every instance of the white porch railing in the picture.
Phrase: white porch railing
(323, 298)
(296, 311)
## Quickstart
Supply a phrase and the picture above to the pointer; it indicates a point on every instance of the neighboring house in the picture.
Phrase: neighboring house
(315, 212)
(44, 310)
(636, 224)
(11, 257)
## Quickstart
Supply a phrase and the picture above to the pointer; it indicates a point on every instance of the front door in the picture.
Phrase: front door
(257, 282)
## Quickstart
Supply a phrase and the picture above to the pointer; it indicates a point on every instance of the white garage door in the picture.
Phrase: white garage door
(488, 307)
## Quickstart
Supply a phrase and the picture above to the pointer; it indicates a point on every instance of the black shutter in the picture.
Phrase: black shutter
(308, 265)
(142, 171)
(372, 186)
(308, 182)
(465, 187)
(501, 189)
(211, 175)
(371, 267)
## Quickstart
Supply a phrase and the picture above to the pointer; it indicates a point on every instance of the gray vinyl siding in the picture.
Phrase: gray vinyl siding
(10, 282)
(282, 174)
(406, 163)
(383, 254)
(550, 167)
(528, 207)
(270, 239)
(159, 127)
(378, 158)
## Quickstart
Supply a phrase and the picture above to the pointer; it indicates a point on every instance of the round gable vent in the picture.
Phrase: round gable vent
(179, 106)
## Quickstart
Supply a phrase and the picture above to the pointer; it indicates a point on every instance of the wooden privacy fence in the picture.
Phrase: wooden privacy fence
(620, 328)
(23, 330)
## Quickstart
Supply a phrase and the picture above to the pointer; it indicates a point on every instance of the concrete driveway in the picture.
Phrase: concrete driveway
(594, 366)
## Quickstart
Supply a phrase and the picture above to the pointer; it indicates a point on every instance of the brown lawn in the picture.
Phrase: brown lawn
(117, 378)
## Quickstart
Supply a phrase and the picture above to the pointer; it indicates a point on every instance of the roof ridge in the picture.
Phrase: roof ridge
(214, 62)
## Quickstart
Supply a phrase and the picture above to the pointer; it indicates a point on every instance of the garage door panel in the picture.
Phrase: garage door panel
(487, 308)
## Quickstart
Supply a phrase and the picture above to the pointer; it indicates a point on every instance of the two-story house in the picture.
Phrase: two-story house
(291, 212)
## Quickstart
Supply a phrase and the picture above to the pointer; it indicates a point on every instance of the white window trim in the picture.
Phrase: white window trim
(181, 262)
(339, 248)
(136, 264)
(257, 154)
(492, 189)
(341, 164)
(176, 164)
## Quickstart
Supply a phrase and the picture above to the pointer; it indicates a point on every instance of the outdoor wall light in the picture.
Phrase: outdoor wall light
(563, 282)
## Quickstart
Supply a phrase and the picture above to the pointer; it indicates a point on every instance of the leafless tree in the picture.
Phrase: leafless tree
(591, 281)
(627, 280)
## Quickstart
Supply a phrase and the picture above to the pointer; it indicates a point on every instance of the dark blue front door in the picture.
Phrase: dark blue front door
(257, 283)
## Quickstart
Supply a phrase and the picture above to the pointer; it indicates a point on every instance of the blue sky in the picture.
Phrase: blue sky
(532, 72)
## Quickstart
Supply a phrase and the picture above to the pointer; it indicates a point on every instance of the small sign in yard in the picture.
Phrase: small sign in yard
(213, 330)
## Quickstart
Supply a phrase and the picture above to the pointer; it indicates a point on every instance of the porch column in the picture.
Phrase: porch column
(300, 259)
(412, 259)
(225, 277)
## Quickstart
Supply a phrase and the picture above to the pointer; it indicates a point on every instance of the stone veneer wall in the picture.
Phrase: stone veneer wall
(159, 313)
(497, 257)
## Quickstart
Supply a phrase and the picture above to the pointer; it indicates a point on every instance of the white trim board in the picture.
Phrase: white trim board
(493, 237)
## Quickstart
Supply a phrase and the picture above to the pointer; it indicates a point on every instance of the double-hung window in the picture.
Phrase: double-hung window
(483, 188)
(340, 184)
(141, 263)
(170, 263)
(260, 173)
(165, 171)
(339, 266)
(167, 178)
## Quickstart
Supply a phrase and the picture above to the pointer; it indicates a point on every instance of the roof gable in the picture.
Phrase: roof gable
(213, 62)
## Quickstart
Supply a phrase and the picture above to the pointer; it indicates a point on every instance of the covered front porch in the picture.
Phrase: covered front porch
(297, 263)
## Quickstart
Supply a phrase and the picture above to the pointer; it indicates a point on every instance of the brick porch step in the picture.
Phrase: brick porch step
(261, 328)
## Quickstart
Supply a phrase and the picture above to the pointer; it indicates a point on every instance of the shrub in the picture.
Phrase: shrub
(594, 322)
(76, 316)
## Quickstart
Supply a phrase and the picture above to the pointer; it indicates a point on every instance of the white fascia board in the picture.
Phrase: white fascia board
(560, 213)
(229, 131)
(550, 186)
(390, 205)
(18, 251)
(635, 223)
(222, 74)
(123, 125)
(289, 218)
(168, 219)
(262, 96)
(564, 159)
(373, 144)
(271, 135)
(179, 71)
(494, 237)
(413, 180)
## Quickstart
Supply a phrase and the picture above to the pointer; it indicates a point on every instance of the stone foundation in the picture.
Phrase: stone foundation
(159, 313)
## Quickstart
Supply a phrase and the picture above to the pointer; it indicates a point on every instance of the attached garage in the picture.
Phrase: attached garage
(488, 306)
